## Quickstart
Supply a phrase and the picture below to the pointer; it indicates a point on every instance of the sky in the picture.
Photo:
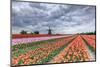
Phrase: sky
(62, 18)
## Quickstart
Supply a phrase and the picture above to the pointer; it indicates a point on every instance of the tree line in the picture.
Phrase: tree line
(25, 32)
(88, 33)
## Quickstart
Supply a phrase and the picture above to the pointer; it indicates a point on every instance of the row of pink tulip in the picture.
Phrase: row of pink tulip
(29, 40)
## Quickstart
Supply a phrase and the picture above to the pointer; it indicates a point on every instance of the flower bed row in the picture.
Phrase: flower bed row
(90, 42)
(36, 55)
(65, 49)
(90, 36)
(76, 51)
(29, 40)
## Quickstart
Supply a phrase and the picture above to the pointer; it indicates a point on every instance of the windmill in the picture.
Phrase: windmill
(49, 31)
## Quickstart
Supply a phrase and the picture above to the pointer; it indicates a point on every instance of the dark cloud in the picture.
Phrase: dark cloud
(61, 18)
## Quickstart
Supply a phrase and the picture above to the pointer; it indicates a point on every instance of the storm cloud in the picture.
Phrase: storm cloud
(62, 18)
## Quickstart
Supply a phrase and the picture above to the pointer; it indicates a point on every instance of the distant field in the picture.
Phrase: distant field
(44, 49)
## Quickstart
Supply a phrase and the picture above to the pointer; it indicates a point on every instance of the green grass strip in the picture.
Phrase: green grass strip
(23, 51)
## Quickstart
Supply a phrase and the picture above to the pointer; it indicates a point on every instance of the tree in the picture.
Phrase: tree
(36, 32)
(23, 32)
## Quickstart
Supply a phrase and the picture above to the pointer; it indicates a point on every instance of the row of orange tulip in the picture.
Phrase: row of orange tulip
(76, 51)
(33, 56)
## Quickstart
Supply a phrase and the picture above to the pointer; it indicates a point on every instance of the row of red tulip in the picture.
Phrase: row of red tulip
(90, 40)
(14, 36)
(91, 36)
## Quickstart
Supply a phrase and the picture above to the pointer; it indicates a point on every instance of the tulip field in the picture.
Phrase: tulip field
(53, 49)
